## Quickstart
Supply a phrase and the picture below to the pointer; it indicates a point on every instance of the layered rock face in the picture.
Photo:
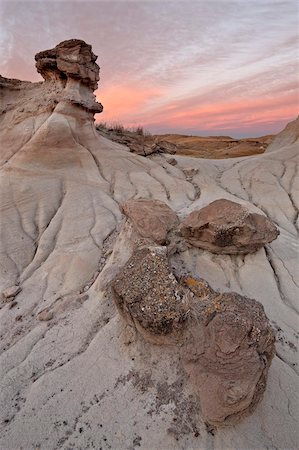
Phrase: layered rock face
(227, 227)
(225, 340)
(69, 59)
(64, 349)
(73, 64)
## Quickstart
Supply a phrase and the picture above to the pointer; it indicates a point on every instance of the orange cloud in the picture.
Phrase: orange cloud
(224, 115)
(124, 103)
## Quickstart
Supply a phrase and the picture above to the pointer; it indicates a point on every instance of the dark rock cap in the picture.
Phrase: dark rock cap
(69, 59)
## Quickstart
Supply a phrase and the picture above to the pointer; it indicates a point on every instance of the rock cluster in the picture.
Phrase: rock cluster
(152, 218)
(223, 227)
(227, 227)
(140, 144)
(225, 340)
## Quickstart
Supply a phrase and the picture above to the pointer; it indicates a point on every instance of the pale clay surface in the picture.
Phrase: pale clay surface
(84, 379)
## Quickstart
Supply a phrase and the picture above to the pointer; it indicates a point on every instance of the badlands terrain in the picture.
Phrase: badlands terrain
(211, 147)
(217, 147)
(132, 316)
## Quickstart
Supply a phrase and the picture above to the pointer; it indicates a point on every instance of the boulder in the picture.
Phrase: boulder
(165, 147)
(147, 145)
(172, 161)
(148, 292)
(11, 292)
(227, 227)
(152, 219)
(224, 341)
(228, 350)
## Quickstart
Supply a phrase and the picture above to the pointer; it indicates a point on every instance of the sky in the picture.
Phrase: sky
(201, 67)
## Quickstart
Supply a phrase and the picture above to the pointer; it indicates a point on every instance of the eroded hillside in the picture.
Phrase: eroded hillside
(83, 369)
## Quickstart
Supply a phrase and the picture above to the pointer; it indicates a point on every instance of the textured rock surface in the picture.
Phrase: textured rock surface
(140, 144)
(69, 59)
(149, 292)
(228, 227)
(92, 381)
(12, 291)
(228, 353)
(152, 218)
(225, 339)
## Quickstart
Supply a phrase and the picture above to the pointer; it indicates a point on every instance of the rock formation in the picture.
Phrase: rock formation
(227, 227)
(73, 374)
(228, 352)
(148, 291)
(72, 59)
(288, 136)
(152, 218)
(225, 340)
(138, 143)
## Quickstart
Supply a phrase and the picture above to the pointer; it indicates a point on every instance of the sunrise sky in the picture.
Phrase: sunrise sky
(195, 67)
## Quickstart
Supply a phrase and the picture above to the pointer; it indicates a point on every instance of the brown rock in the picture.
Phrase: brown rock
(172, 161)
(149, 293)
(153, 219)
(228, 350)
(11, 292)
(147, 145)
(225, 340)
(44, 316)
(165, 147)
(72, 58)
(70, 64)
(227, 227)
(141, 144)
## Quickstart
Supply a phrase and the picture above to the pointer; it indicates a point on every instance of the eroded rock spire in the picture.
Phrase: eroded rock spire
(73, 65)
(69, 59)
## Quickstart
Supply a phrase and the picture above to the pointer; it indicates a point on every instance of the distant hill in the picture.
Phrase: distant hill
(217, 146)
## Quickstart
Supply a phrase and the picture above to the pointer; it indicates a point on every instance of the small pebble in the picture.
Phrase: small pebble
(11, 291)
(45, 316)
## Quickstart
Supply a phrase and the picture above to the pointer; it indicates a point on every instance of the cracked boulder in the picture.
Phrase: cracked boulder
(227, 353)
(152, 219)
(227, 227)
(224, 340)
